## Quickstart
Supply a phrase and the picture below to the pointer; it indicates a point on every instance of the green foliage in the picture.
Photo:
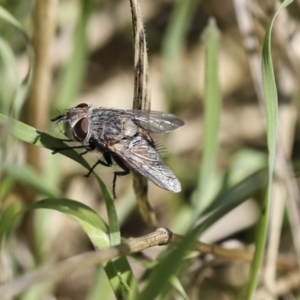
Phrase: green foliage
(271, 103)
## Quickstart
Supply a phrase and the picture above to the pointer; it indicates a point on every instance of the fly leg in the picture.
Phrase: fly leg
(107, 162)
(87, 148)
(125, 172)
(57, 150)
(85, 152)
(65, 140)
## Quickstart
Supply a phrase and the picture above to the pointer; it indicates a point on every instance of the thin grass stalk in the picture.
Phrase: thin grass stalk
(251, 45)
(141, 100)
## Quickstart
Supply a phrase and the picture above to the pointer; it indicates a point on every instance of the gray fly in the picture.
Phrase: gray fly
(122, 136)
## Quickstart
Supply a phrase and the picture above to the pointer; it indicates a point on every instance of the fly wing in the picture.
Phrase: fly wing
(156, 122)
(140, 155)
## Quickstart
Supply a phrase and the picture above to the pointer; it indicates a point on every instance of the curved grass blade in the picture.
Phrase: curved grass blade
(91, 223)
(243, 190)
(100, 286)
(172, 262)
(6, 184)
(177, 285)
(8, 219)
(271, 103)
(71, 80)
(30, 177)
(31, 135)
(36, 137)
(181, 17)
(23, 88)
(88, 219)
(122, 268)
(9, 76)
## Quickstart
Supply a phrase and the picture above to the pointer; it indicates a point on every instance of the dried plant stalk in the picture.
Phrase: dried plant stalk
(38, 103)
(54, 274)
(161, 236)
(141, 100)
(37, 106)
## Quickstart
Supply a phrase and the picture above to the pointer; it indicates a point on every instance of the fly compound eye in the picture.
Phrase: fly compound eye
(82, 105)
(81, 129)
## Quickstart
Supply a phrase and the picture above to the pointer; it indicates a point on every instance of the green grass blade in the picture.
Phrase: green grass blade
(8, 219)
(89, 220)
(7, 17)
(240, 192)
(271, 103)
(212, 109)
(9, 76)
(30, 177)
(31, 135)
(100, 286)
(129, 286)
(118, 271)
(23, 88)
(174, 40)
(177, 285)
(6, 185)
(72, 77)
(174, 260)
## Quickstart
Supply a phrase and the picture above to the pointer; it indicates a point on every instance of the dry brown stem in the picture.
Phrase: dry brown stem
(141, 100)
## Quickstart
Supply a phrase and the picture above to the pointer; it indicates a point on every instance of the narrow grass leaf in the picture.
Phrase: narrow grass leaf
(240, 192)
(29, 176)
(90, 222)
(6, 185)
(271, 103)
(31, 135)
(177, 285)
(9, 76)
(72, 77)
(7, 17)
(174, 260)
(100, 286)
(23, 88)
(36, 292)
(9, 218)
(212, 108)
(174, 39)
(123, 270)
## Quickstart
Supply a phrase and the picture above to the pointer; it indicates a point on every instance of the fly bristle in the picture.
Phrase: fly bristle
(60, 130)
(161, 149)
(57, 119)
(58, 122)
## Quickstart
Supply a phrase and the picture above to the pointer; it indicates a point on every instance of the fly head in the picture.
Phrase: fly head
(75, 122)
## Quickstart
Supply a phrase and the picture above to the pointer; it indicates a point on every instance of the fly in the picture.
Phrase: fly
(122, 136)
